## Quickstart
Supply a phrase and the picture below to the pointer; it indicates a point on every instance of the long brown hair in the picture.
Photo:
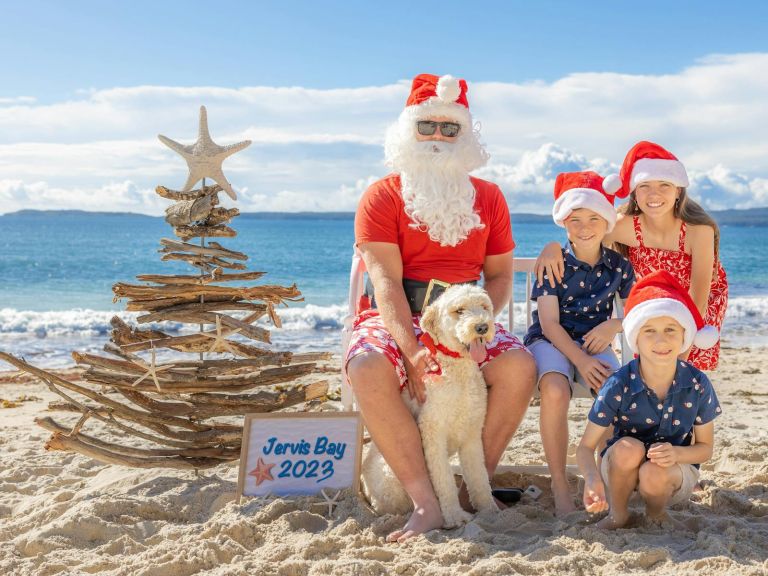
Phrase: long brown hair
(689, 211)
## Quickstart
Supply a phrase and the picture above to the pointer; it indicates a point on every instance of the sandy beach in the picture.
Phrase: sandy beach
(62, 513)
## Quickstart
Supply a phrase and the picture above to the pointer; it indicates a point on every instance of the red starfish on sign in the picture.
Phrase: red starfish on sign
(262, 471)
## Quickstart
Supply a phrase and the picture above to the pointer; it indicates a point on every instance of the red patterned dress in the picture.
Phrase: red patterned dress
(646, 260)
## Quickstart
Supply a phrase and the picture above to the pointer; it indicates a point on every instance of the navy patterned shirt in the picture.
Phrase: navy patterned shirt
(634, 410)
(585, 294)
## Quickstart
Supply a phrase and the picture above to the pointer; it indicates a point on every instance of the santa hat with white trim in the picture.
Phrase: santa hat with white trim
(433, 96)
(648, 161)
(659, 294)
(574, 190)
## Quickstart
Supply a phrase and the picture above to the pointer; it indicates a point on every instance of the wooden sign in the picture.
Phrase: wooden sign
(301, 453)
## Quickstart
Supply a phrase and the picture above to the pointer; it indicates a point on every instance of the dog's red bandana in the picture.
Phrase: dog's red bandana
(430, 345)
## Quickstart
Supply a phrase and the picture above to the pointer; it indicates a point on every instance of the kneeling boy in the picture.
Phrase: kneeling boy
(656, 404)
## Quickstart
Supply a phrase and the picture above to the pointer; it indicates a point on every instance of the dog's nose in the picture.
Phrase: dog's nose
(481, 328)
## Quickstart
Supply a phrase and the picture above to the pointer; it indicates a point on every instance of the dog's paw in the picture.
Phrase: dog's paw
(455, 517)
(484, 503)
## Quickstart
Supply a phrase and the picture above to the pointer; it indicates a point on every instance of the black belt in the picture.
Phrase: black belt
(418, 293)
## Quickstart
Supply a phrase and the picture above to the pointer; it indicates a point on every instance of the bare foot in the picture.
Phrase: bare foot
(613, 521)
(422, 520)
(563, 500)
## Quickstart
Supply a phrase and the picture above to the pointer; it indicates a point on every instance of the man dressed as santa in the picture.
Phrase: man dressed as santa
(430, 220)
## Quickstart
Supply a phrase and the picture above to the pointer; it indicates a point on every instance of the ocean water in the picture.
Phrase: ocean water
(57, 271)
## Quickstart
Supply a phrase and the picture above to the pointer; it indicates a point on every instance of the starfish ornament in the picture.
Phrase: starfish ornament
(152, 370)
(262, 472)
(204, 157)
(220, 339)
(331, 502)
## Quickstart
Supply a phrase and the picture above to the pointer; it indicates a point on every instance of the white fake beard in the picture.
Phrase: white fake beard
(438, 194)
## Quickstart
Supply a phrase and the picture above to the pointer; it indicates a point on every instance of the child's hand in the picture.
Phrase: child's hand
(594, 497)
(662, 454)
(593, 371)
(601, 336)
(549, 262)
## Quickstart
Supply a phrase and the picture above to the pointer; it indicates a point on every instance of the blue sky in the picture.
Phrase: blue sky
(87, 85)
(53, 48)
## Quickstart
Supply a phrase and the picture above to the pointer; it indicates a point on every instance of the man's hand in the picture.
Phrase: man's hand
(662, 454)
(594, 496)
(419, 365)
(593, 371)
(601, 336)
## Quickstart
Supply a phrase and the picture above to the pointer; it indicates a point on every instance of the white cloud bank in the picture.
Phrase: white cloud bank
(318, 149)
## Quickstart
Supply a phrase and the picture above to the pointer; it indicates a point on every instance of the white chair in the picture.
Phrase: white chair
(356, 287)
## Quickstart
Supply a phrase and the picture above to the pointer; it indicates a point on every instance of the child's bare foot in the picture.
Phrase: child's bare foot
(422, 520)
(613, 521)
(563, 499)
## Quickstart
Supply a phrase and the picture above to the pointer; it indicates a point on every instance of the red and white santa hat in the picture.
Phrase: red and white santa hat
(648, 161)
(432, 96)
(660, 294)
(574, 190)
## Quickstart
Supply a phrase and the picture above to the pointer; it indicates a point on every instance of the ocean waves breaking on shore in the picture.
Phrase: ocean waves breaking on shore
(47, 338)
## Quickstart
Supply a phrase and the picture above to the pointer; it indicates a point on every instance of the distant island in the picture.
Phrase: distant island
(747, 217)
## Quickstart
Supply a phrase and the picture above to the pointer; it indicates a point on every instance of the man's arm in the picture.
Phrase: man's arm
(497, 271)
(385, 268)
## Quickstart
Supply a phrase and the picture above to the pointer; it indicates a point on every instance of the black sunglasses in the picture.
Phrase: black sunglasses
(428, 127)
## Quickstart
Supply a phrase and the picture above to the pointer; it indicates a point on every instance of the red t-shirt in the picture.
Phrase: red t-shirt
(381, 217)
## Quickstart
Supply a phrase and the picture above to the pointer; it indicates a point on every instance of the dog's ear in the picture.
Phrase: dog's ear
(428, 321)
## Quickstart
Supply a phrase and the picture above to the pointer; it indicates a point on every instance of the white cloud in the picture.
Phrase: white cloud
(318, 149)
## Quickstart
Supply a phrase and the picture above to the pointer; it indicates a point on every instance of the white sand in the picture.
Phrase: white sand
(62, 513)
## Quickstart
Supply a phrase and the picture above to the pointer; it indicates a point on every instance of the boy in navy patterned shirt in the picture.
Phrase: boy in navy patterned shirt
(572, 329)
(656, 404)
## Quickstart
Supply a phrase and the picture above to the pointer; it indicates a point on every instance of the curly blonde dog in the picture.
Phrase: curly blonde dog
(460, 323)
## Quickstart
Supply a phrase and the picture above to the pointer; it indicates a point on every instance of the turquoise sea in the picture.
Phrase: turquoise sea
(57, 270)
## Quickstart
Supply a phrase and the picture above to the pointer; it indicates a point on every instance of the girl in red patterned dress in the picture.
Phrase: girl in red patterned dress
(660, 228)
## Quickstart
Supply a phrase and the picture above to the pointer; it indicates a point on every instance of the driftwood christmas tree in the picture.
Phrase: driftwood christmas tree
(183, 407)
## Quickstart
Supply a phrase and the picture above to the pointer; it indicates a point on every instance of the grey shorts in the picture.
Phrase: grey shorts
(689, 472)
(550, 359)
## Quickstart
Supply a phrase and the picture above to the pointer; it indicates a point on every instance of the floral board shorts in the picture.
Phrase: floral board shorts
(370, 335)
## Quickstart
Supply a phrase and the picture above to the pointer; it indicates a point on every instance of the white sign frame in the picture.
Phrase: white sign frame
(252, 450)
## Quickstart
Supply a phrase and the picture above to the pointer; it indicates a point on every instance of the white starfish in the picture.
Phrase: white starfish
(204, 157)
(221, 338)
(152, 370)
(331, 502)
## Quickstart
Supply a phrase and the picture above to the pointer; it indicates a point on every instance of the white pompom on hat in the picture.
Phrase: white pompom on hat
(574, 190)
(660, 294)
(434, 96)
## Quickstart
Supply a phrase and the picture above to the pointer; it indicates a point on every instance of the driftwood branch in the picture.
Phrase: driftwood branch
(187, 211)
(221, 215)
(213, 249)
(191, 195)
(207, 264)
(59, 441)
(220, 231)
(236, 383)
(223, 454)
(202, 307)
(215, 276)
(266, 293)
